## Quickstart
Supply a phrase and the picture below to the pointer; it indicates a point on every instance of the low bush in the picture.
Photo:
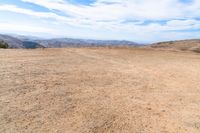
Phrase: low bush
(3, 44)
(197, 50)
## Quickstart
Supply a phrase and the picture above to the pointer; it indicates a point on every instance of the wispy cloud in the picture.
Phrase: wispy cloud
(126, 16)
(123, 9)
(13, 8)
(23, 28)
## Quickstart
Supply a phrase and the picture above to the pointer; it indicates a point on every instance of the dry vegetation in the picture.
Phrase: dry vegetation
(82, 90)
(184, 45)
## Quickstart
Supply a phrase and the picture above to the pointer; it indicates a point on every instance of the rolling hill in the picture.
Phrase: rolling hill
(182, 45)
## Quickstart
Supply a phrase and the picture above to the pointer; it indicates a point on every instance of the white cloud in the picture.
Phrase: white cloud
(110, 15)
(5, 26)
(100, 14)
(123, 9)
(13, 8)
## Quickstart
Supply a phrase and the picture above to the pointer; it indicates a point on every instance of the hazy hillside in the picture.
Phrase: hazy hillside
(68, 42)
(17, 41)
(29, 44)
(12, 41)
(183, 45)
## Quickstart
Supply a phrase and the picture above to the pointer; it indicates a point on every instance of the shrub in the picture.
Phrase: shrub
(197, 50)
(3, 44)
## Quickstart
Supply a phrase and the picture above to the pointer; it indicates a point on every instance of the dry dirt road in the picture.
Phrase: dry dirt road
(99, 90)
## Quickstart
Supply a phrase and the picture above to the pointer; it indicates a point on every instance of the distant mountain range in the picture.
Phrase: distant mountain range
(18, 41)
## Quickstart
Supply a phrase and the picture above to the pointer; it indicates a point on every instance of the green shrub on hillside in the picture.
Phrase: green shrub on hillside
(3, 44)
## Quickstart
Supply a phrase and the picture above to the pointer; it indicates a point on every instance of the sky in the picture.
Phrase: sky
(135, 20)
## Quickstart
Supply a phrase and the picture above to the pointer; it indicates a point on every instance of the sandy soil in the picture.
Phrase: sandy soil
(99, 90)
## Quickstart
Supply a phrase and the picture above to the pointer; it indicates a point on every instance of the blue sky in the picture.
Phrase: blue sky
(135, 20)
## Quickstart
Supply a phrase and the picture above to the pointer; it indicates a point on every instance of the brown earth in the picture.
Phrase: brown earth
(99, 90)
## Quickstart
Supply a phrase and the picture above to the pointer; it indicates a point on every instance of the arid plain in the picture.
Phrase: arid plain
(99, 90)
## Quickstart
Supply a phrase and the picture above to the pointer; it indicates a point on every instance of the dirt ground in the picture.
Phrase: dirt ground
(99, 90)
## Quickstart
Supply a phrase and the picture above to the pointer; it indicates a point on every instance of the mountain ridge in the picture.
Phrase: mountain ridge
(18, 41)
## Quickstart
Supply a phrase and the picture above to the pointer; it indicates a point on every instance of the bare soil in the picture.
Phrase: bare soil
(99, 90)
